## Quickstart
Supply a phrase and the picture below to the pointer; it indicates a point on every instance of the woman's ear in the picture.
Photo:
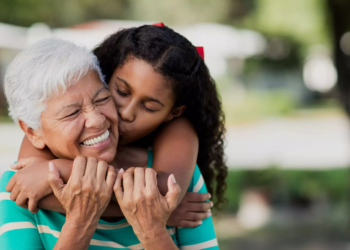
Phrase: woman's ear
(33, 135)
(175, 112)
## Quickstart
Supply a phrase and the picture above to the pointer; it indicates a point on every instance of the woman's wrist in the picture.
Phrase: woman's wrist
(75, 235)
(76, 221)
(152, 236)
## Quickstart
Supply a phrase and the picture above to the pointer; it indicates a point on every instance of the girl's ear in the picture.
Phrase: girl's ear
(175, 112)
(33, 135)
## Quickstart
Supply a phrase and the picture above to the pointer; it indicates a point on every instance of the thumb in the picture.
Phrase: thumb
(173, 192)
(21, 163)
(55, 180)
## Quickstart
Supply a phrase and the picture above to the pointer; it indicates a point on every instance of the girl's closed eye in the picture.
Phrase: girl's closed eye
(121, 92)
(148, 109)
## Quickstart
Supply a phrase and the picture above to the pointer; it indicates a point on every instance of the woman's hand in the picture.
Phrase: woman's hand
(29, 184)
(88, 191)
(193, 208)
(143, 206)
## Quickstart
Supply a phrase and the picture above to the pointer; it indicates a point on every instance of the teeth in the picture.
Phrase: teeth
(96, 140)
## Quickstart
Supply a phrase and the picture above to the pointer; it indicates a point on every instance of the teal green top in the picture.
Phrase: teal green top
(20, 229)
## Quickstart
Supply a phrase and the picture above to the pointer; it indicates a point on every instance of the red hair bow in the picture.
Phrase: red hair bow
(200, 50)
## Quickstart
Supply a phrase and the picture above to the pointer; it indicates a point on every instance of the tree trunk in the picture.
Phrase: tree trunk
(339, 11)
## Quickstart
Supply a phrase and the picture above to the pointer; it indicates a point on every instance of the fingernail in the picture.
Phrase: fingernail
(121, 170)
(173, 178)
(200, 223)
(208, 213)
(211, 203)
(50, 166)
(12, 165)
(209, 196)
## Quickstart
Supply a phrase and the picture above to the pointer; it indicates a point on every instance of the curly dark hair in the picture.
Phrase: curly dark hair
(174, 57)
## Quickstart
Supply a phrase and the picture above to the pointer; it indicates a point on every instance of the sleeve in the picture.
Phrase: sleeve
(18, 228)
(202, 236)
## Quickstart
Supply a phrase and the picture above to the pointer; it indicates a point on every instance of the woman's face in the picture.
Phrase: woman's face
(83, 121)
(143, 99)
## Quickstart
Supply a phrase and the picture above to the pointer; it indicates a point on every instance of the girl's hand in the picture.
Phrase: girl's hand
(22, 163)
(29, 184)
(143, 206)
(88, 191)
(193, 208)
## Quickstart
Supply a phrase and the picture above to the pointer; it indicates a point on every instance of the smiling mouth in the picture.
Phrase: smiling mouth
(97, 139)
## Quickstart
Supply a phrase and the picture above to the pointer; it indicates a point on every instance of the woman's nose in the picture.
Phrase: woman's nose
(95, 119)
(127, 113)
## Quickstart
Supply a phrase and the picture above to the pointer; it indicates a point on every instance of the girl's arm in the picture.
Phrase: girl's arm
(38, 186)
(175, 150)
(28, 150)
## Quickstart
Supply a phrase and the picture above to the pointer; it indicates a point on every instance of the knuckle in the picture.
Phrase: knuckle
(92, 159)
(149, 195)
(80, 158)
(33, 195)
(19, 203)
(140, 198)
(86, 188)
(150, 170)
(130, 170)
(137, 170)
(102, 163)
(112, 173)
(75, 186)
(203, 206)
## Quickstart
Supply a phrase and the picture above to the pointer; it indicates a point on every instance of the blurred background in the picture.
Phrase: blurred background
(283, 71)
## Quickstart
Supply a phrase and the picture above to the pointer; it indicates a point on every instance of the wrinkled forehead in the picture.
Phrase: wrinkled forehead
(82, 92)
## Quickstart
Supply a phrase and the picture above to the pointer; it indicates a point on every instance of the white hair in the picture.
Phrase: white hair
(42, 71)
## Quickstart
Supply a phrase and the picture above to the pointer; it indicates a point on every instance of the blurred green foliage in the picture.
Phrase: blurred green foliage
(289, 187)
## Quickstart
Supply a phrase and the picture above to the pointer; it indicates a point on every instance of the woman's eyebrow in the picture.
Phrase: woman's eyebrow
(67, 107)
(98, 92)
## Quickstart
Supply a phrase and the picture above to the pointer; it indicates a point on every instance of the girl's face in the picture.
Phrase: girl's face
(143, 99)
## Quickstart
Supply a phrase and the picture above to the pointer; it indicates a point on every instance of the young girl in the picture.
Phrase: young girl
(165, 98)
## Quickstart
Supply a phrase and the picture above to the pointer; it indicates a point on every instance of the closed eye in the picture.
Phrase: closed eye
(121, 93)
(74, 113)
(103, 99)
(148, 110)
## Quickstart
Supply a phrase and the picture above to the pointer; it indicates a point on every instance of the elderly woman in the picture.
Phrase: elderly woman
(44, 85)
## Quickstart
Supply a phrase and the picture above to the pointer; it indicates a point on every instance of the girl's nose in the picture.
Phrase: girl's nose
(126, 113)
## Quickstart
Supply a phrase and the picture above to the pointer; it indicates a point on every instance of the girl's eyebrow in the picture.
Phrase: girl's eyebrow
(124, 81)
(148, 98)
(154, 100)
